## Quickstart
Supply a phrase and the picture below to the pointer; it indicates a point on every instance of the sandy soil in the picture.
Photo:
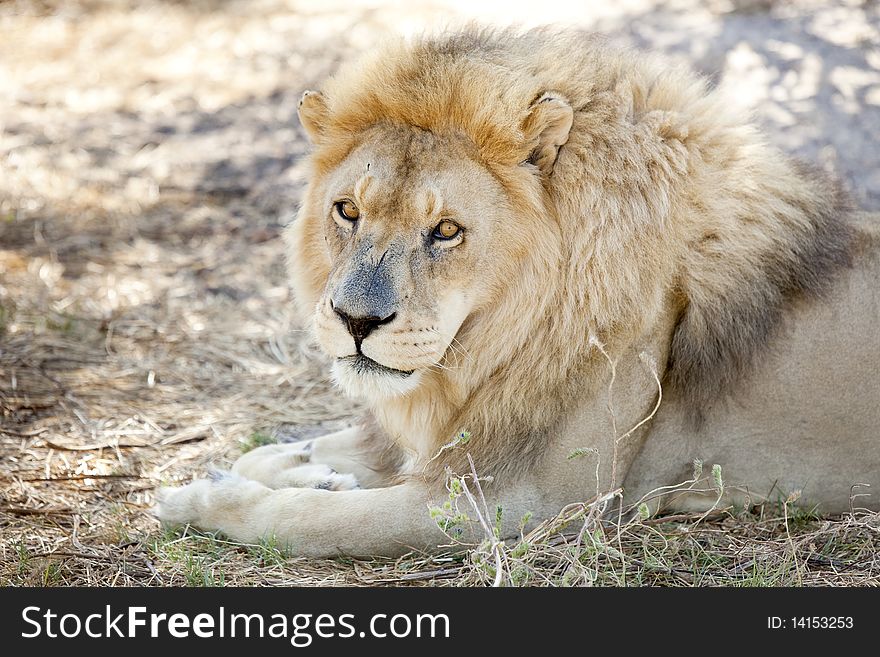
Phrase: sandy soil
(149, 157)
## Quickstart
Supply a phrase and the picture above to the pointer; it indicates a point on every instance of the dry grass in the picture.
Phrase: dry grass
(148, 159)
(597, 543)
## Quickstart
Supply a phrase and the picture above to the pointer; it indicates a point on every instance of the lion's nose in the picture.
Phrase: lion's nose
(360, 327)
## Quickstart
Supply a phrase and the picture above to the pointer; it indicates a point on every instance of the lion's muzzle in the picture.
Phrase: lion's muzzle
(360, 327)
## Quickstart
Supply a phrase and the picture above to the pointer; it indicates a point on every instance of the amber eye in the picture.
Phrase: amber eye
(347, 210)
(446, 230)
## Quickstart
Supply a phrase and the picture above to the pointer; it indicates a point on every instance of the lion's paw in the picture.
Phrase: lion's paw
(196, 503)
(289, 466)
(313, 476)
(201, 502)
(182, 506)
(263, 462)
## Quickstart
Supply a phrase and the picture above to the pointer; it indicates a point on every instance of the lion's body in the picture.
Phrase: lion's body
(806, 420)
(618, 218)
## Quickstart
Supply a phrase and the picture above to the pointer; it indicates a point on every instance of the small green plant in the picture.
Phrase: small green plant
(459, 440)
(191, 554)
(798, 517)
(256, 439)
(52, 574)
(521, 549)
(60, 323)
(121, 523)
(267, 552)
(24, 559)
(198, 574)
(581, 452)
(448, 517)
(5, 316)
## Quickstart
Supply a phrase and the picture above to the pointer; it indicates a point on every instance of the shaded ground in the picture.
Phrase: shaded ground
(149, 156)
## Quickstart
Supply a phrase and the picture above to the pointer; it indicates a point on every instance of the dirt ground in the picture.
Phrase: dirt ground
(149, 158)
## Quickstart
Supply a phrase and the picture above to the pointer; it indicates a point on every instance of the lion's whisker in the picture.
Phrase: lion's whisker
(453, 343)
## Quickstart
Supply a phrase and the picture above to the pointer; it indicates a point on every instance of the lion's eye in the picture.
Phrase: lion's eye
(347, 210)
(446, 230)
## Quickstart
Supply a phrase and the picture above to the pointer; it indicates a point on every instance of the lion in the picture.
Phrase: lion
(567, 268)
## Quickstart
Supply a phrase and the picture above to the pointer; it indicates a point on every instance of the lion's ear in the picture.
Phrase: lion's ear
(546, 128)
(312, 112)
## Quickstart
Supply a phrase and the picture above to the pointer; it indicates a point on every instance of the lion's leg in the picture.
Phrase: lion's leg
(365, 522)
(314, 523)
(337, 461)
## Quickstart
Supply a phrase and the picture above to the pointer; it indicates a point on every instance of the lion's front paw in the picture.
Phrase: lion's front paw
(289, 466)
(200, 502)
(313, 476)
(222, 502)
(263, 463)
(182, 506)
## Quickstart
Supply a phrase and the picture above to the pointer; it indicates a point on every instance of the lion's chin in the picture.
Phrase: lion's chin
(362, 377)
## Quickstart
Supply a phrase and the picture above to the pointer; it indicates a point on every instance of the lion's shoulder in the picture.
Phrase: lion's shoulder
(781, 245)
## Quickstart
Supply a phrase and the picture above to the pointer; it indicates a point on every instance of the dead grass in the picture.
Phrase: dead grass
(121, 547)
(771, 545)
(145, 326)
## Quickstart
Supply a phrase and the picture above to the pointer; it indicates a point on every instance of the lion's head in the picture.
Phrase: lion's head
(413, 230)
(408, 249)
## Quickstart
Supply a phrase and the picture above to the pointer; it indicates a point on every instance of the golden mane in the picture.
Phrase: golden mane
(440, 86)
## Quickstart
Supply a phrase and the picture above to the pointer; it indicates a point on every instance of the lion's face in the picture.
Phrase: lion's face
(412, 224)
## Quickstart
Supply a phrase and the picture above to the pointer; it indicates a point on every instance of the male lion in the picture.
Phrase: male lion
(562, 249)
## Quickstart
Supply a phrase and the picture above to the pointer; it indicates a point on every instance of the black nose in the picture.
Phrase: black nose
(360, 327)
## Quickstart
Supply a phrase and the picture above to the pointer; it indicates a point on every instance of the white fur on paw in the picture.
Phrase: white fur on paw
(314, 476)
(288, 466)
(262, 463)
(186, 505)
(180, 506)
